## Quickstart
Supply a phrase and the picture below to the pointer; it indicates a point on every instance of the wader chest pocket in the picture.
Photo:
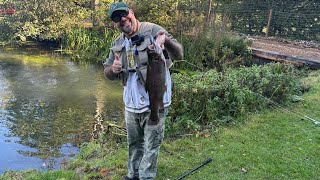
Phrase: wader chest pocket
(142, 61)
(117, 50)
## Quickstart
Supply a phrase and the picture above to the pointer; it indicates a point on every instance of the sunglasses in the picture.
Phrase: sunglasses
(116, 16)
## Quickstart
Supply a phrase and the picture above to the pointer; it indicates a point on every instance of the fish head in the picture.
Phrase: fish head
(154, 53)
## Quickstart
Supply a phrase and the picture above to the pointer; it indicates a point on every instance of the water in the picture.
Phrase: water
(49, 107)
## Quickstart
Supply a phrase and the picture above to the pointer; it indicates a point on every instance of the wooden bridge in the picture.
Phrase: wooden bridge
(265, 50)
(272, 56)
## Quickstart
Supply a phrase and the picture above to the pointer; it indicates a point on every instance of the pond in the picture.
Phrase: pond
(49, 106)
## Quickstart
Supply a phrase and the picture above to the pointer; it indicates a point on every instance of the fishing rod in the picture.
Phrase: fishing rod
(269, 100)
(194, 169)
(177, 61)
(287, 110)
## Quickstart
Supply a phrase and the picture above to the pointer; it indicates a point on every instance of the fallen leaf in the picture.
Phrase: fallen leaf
(104, 172)
(243, 170)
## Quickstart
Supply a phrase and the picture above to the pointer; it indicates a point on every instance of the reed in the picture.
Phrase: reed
(88, 44)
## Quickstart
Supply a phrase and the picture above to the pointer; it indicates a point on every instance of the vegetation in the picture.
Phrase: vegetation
(34, 175)
(214, 47)
(39, 20)
(214, 99)
(87, 45)
(205, 103)
(272, 144)
(46, 20)
(294, 19)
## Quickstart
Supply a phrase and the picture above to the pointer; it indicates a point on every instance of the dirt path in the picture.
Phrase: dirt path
(304, 50)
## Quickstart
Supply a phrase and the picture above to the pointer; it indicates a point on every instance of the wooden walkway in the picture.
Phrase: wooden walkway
(263, 54)
(298, 54)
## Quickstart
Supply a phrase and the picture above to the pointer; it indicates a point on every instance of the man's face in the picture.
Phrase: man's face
(127, 22)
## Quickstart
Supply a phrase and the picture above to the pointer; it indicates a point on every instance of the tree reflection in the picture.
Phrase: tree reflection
(45, 126)
(51, 106)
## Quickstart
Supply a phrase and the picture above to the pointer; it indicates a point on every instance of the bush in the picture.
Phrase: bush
(214, 48)
(212, 99)
(88, 44)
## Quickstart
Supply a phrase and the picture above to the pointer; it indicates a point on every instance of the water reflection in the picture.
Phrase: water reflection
(48, 107)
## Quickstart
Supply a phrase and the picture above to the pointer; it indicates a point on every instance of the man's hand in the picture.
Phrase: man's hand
(116, 66)
(161, 38)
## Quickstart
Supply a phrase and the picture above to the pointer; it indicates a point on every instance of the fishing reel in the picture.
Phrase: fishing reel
(137, 40)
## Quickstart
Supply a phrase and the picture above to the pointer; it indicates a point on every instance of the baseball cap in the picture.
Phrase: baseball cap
(117, 6)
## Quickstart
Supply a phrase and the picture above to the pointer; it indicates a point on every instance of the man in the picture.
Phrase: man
(127, 61)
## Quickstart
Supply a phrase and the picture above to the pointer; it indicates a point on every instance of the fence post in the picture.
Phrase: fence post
(209, 10)
(269, 22)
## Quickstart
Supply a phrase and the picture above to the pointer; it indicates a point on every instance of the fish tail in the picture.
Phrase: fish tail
(154, 118)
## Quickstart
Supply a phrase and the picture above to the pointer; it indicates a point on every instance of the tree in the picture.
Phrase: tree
(41, 19)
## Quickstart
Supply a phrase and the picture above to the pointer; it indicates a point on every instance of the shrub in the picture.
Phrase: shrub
(214, 47)
(212, 99)
(209, 53)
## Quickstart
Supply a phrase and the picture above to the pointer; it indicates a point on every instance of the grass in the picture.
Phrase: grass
(269, 145)
(36, 175)
(273, 145)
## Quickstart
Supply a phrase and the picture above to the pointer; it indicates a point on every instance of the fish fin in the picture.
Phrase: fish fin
(154, 118)
(161, 105)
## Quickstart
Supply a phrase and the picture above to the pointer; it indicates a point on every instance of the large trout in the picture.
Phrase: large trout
(155, 82)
